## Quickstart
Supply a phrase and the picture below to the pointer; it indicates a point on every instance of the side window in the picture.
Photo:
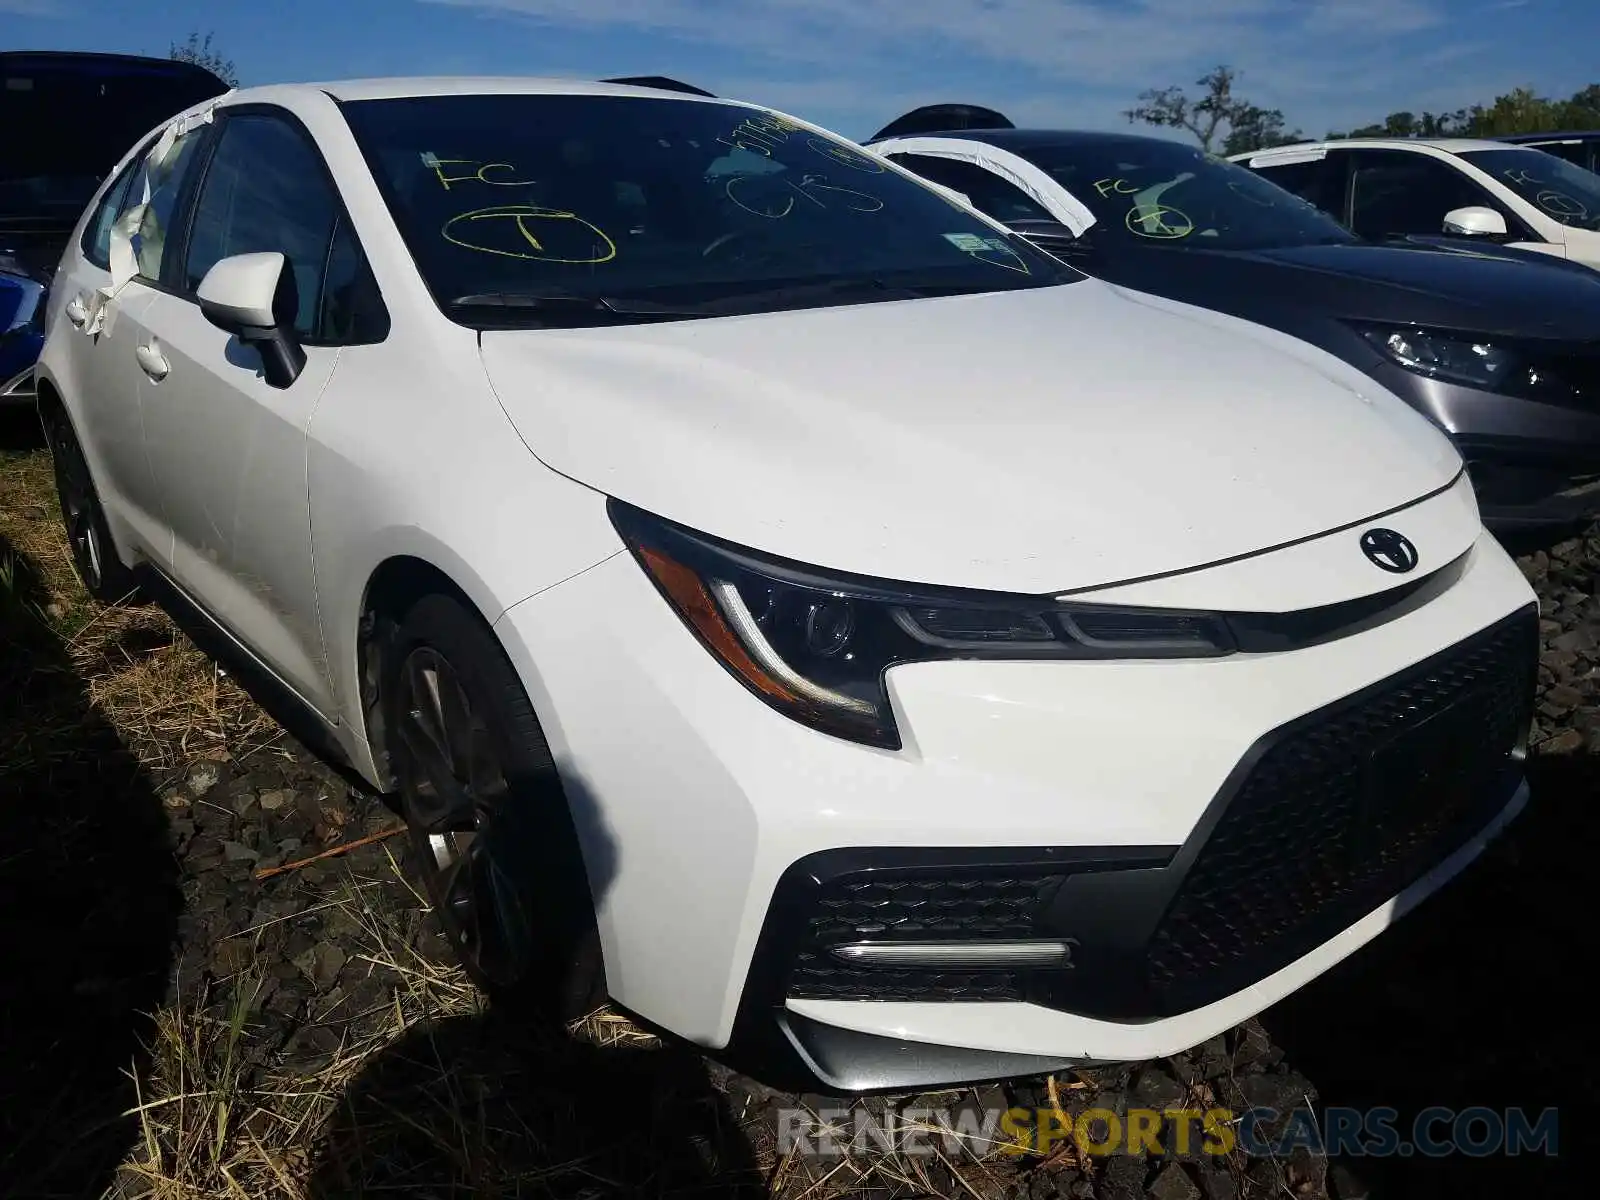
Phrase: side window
(1398, 193)
(352, 310)
(266, 189)
(1576, 153)
(990, 194)
(1311, 181)
(165, 182)
(97, 233)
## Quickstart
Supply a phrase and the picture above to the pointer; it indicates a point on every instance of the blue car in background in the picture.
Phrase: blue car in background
(66, 118)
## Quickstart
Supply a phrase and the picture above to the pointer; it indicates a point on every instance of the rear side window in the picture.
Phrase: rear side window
(165, 181)
(97, 234)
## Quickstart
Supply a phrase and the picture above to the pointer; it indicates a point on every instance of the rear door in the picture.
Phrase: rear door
(102, 375)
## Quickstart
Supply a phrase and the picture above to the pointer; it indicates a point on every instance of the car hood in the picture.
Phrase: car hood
(1439, 283)
(1032, 441)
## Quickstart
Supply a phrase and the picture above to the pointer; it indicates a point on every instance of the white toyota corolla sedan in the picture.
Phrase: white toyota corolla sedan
(779, 598)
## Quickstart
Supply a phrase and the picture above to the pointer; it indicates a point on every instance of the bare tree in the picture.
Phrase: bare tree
(198, 50)
(1215, 114)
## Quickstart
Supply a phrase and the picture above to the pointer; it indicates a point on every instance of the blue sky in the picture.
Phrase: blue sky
(854, 64)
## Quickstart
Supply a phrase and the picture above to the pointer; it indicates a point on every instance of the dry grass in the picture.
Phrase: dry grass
(426, 1096)
(165, 698)
(213, 1122)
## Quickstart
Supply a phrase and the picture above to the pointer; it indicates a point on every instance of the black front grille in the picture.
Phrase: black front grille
(1325, 819)
(1343, 810)
(913, 905)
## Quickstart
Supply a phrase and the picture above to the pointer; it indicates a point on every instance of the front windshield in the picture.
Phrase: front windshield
(1153, 193)
(693, 204)
(1560, 190)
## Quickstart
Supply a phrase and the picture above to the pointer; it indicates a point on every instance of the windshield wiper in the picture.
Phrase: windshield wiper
(566, 308)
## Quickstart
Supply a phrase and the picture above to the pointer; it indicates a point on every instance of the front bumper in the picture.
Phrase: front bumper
(1532, 464)
(1122, 800)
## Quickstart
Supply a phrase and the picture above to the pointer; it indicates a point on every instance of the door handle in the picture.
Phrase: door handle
(151, 361)
(77, 312)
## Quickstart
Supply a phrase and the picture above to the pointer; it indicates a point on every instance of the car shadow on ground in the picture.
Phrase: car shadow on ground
(1474, 1000)
(20, 429)
(89, 902)
(512, 1102)
(500, 1106)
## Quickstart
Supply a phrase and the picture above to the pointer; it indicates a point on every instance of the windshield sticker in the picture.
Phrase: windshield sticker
(1561, 206)
(478, 173)
(1158, 221)
(845, 156)
(1120, 187)
(979, 247)
(774, 198)
(526, 232)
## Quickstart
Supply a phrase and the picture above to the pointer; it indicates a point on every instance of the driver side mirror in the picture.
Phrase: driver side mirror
(1474, 221)
(253, 297)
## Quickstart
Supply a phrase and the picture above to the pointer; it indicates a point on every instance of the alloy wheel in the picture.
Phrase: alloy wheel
(454, 792)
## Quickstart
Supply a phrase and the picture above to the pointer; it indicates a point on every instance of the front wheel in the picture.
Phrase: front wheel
(490, 826)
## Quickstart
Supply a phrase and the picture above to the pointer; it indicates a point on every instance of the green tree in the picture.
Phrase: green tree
(198, 50)
(1217, 114)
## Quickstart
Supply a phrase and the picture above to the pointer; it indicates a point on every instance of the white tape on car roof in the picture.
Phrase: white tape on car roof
(140, 219)
(1032, 179)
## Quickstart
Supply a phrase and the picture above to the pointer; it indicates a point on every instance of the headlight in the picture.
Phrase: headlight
(1479, 364)
(1494, 365)
(816, 646)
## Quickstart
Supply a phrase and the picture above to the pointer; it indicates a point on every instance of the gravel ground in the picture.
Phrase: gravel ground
(176, 1025)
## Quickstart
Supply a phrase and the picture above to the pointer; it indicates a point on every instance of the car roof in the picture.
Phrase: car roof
(1555, 135)
(401, 87)
(1020, 141)
(1447, 145)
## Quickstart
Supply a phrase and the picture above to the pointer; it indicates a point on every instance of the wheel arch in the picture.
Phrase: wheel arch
(394, 584)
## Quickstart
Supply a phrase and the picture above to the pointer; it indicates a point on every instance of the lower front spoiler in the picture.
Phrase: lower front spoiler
(846, 1048)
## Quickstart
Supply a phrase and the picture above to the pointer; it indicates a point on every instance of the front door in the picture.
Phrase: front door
(228, 449)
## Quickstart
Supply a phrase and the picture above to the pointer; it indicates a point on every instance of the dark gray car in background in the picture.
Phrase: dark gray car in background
(1498, 346)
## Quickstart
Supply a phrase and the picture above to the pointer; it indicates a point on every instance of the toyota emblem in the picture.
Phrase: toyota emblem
(1389, 550)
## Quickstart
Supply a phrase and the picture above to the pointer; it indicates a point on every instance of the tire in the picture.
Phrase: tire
(94, 555)
(491, 828)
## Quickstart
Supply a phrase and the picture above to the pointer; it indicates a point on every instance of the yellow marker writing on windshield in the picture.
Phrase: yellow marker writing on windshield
(510, 231)
(1120, 186)
(480, 173)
